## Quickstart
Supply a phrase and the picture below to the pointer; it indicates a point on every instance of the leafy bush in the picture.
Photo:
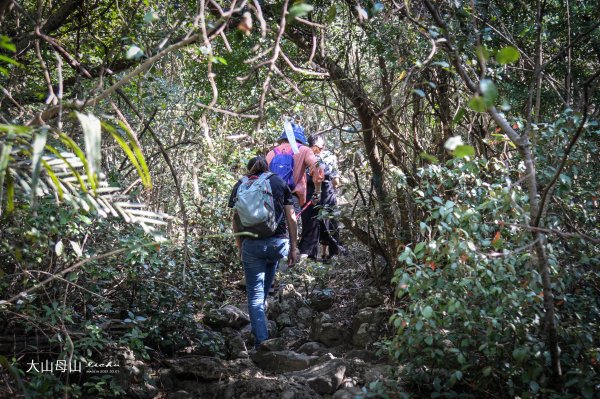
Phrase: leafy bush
(472, 314)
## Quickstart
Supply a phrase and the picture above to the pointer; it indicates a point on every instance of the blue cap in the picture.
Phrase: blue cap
(298, 134)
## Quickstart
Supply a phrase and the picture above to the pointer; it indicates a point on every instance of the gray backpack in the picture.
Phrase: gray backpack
(255, 206)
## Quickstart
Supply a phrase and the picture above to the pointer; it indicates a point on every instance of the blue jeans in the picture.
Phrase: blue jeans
(260, 258)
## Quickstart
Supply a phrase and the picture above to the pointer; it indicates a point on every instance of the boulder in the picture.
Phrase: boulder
(284, 320)
(236, 347)
(321, 300)
(369, 297)
(312, 349)
(197, 367)
(323, 378)
(325, 330)
(291, 334)
(283, 361)
(362, 354)
(305, 314)
(227, 316)
(273, 344)
(376, 316)
(365, 335)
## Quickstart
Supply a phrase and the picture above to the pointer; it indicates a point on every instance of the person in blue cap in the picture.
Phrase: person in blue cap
(291, 159)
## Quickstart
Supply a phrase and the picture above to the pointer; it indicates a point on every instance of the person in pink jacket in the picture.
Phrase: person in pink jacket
(303, 160)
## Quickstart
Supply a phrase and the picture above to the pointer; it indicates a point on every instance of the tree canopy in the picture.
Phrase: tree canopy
(467, 134)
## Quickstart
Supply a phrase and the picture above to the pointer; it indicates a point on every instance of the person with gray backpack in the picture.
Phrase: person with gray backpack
(264, 211)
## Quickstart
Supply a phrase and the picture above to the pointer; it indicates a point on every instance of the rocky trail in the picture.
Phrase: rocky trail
(321, 346)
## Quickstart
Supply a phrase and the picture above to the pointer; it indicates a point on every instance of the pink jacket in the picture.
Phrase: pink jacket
(305, 158)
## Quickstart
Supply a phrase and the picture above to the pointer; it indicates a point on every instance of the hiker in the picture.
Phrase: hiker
(261, 192)
(291, 166)
(324, 231)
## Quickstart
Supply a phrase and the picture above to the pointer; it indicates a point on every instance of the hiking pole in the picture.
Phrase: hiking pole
(304, 208)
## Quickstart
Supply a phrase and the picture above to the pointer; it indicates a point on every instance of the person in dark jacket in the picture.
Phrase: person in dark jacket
(260, 256)
(325, 230)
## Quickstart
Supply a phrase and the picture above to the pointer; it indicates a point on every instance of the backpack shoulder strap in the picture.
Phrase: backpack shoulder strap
(264, 176)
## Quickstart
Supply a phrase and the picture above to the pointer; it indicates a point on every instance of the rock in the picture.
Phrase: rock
(323, 378)
(305, 314)
(272, 328)
(165, 379)
(236, 347)
(227, 316)
(197, 367)
(142, 391)
(206, 343)
(369, 297)
(283, 361)
(321, 300)
(312, 349)
(291, 334)
(325, 330)
(273, 344)
(362, 354)
(376, 316)
(284, 320)
(264, 388)
(348, 393)
(366, 335)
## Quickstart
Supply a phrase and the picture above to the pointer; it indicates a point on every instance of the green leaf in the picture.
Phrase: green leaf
(9, 60)
(134, 52)
(464, 150)
(135, 145)
(429, 157)
(487, 371)
(519, 354)
(59, 248)
(508, 55)
(4, 158)
(77, 150)
(331, 14)
(460, 114)
(39, 143)
(477, 104)
(482, 52)
(299, 10)
(535, 387)
(427, 312)
(142, 169)
(150, 17)
(419, 92)
(221, 60)
(489, 91)
(71, 168)
(419, 325)
(92, 133)
(6, 44)
(443, 64)
(429, 340)
(10, 193)
(55, 179)
(77, 248)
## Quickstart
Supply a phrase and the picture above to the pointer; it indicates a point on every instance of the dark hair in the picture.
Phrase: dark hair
(313, 138)
(257, 165)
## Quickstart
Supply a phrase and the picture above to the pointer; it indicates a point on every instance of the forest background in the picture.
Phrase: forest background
(467, 134)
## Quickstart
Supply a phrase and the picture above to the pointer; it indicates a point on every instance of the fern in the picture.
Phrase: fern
(29, 164)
